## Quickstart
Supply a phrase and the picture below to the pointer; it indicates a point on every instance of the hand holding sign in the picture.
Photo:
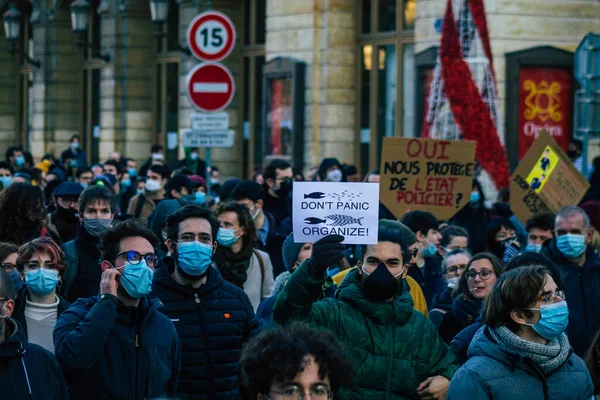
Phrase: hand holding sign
(326, 252)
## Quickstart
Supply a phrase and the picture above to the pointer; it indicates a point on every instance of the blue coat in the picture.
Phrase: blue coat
(582, 288)
(497, 372)
(111, 351)
(213, 323)
(25, 366)
(430, 278)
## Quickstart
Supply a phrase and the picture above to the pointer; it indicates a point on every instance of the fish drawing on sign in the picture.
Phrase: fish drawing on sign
(343, 220)
(314, 195)
(314, 221)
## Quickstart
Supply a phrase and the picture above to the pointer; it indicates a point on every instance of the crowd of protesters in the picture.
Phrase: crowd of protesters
(119, 282)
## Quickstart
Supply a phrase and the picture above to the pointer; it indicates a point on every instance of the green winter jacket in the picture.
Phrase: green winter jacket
(395, 348)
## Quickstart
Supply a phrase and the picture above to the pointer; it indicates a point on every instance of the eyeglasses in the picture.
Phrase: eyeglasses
(457, 268)
(484, 274)
(295, 393)
(551, 297)
(8, 267)
(68, 201)
(134, 258)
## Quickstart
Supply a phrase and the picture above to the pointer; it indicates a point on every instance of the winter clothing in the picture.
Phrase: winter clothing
(474, 218)
(328, 163)
(265, 309)
(150, 201)
(441, 304)
(463, 339)
(213, 323)
(465, 310)
(68, 189)
(161, 213)
(290, 251)
(385, 339)
(408, 236)
(497, 371)
(28, 371)
(430, 277)
(273, 243)
(582, 288)
(117, 352)
(82, 257)
(279, 207)
(64, 224)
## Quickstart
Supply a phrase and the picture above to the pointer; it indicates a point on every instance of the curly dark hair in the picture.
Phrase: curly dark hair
(277, 355)
(110, 241)
(244, 219)
(22, 213)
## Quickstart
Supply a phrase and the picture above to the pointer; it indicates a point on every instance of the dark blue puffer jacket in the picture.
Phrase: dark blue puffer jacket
(110, 351)
(218, 314)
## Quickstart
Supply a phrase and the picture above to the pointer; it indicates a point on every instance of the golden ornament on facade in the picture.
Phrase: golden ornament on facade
(534, 101)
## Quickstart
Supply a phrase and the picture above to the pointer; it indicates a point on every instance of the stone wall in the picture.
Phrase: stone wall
(322, 33)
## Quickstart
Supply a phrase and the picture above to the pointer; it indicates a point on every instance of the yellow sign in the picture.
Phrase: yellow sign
(540, 174)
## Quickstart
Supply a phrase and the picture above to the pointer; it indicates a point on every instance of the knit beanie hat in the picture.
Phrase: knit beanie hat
(290, 251)
(328, 163)
(406, 235)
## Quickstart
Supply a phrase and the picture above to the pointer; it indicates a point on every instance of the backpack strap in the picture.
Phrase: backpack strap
(72, 261)
(139, 205)
(262, 265)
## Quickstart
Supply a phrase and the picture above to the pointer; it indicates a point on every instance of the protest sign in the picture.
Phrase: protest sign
(326, 208)
(545, 180)
(427, 175)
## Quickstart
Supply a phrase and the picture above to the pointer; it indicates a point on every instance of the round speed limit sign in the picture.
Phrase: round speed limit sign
(211, 36)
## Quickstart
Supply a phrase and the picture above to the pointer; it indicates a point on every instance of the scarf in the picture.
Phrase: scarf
(234, 266)
(548, 357)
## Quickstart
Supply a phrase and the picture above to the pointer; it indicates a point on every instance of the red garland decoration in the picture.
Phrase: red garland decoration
(469, 110)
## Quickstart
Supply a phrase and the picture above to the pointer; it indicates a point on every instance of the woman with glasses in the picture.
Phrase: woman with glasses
(41, 264)
(293, 362)
(522, 351)
(8, 257)
(473, 286)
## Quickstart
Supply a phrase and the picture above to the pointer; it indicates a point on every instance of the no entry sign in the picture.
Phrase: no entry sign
(211, 36)
(210, 87)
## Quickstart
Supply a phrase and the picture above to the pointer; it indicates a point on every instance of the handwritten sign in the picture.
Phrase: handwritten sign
(545, 180)
(425, 174)
(347, 209)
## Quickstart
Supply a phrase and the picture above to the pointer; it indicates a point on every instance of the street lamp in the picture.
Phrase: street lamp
(159, 12)
(80, 10)
(12, 30)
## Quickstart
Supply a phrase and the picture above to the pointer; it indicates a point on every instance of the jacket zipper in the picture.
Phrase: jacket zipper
(390, 335)
(540, 375)
(137, 363)
(206, 346)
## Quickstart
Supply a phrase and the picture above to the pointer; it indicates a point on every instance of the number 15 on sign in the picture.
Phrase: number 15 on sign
(211, 36)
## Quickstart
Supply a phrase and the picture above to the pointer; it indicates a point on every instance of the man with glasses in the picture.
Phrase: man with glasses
(118, 345)
(213, 317)
(28, 371)
(64, 222)
(373, 314)
(278, 185)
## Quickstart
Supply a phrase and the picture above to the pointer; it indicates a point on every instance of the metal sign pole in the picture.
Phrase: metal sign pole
(208, 166)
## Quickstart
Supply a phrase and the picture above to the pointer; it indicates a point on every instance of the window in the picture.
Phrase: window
(166, 84)
(386, 74)
(253, 60)
(91, 77)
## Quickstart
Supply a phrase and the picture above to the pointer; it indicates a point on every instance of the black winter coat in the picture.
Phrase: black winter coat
(27, 371)
(213, 323)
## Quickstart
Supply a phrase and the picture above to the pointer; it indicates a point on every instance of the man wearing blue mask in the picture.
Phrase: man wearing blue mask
(80, 156)
(426, 270)
(7, 172)
(539, 228)
(580, 271)
(118, 345)
(96, 213)
(213, 317)
(14, 156)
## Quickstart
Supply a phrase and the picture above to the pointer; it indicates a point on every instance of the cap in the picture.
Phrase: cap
(290, 251)
(328, 163)
(197, 180)
(406, 235)
(68, 189)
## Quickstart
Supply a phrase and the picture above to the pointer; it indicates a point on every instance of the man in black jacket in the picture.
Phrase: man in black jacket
(27, 370)
(212, 316)
(82, 255)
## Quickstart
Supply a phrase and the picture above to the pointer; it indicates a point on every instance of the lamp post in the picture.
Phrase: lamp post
(159, 12)
(12, 30)
(80, 10)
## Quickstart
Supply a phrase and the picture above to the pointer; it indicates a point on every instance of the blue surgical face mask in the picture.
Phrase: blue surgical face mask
(194, 258)
(6, 180)
(430, 250)
(15, 277)
(41, 281)
(84, 185)
(571, 245)
(75, 145)
(200, 197)
(137, 279)
(533, 248)
(73, 164)
(132, 172)
(139, 191)
(126, 183)
(226, 237)
(475, 197)
(20, 161)
(553, 322)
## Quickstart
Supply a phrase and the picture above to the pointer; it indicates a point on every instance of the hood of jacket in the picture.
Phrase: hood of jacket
(350, 291)
(280, 282)
(15, 344)
(163, 279)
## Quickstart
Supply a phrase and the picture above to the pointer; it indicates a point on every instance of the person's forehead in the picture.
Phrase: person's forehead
(5, 171)
(98, 204)
(384, 251)
(456, 240)
(480, 264)
(539, 231)
(42, 256)
(284, 172)
(87, 174)
(549, 284)
(571, 220)
(136, 243)
(195, 225)
(457, 259)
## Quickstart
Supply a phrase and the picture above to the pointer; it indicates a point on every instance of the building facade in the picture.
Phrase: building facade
(314, 78)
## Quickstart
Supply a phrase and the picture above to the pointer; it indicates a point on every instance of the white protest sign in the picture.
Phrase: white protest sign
(326, 208)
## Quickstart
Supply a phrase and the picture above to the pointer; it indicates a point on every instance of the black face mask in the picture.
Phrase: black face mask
(67, 214)
(285, 188)
(381, 285)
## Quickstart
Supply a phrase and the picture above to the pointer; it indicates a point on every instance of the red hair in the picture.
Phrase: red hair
(37, 246)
